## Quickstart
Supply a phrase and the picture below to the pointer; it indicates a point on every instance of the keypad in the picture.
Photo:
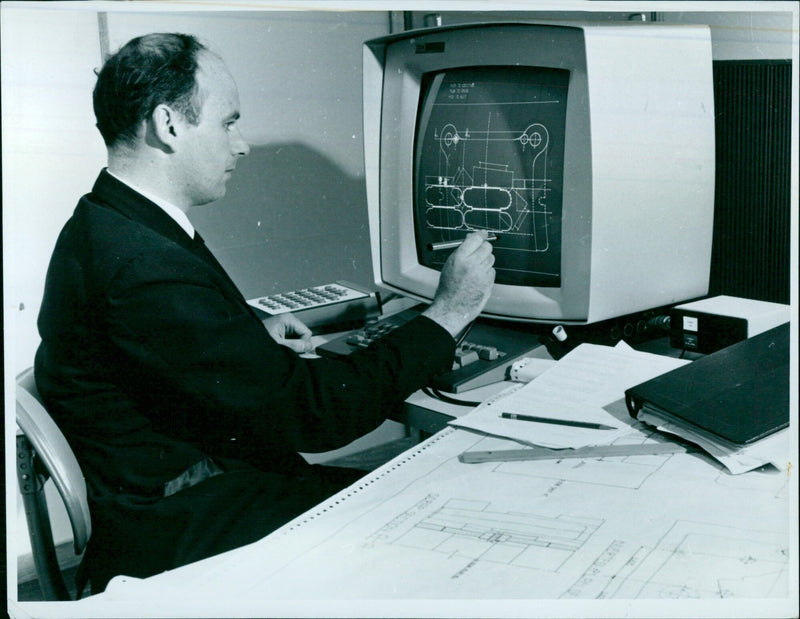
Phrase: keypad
(306, 298)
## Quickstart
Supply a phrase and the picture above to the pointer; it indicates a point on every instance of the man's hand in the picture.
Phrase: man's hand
(289, 331)
(465, 284)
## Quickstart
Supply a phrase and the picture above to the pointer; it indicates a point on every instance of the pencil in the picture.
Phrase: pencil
(451, 244)
(560, 422)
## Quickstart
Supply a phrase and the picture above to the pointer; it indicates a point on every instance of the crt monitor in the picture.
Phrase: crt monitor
(586, 150)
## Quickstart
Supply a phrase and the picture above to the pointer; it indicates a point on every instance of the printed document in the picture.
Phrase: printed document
(579, 388)
(642, 531)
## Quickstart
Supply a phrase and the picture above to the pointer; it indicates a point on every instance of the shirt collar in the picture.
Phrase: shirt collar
(170, 209)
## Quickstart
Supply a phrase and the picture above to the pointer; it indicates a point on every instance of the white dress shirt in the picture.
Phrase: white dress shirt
(170, 209)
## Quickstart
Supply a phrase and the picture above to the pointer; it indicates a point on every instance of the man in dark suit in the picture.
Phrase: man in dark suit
(185, 412)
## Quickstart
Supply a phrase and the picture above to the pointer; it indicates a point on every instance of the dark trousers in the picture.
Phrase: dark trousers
(141, 537)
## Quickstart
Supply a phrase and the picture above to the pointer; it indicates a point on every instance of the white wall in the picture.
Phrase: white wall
(743, 35)
(300, 81)
(739, 31)
(296, 207)
(299, 75)
(51, 154)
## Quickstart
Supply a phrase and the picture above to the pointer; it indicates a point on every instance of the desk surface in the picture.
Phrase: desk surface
(619, 532)
(427, 535)
(430, 415)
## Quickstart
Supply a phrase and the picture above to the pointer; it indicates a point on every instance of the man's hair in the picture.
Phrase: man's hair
(146, 72)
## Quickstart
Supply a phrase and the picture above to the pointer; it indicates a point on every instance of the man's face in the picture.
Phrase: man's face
(209, 150)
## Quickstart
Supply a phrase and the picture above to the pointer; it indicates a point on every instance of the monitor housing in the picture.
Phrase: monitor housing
(587, 149)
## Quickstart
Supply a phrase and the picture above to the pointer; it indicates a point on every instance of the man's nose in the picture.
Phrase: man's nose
(240, 146)
(244, 149)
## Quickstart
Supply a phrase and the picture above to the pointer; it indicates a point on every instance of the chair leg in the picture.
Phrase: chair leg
(38, 519)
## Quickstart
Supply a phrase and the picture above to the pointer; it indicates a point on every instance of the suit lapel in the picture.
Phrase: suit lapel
(200, 249)
(118, 196)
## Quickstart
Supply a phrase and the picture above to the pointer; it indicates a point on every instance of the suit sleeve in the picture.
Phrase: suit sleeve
(206, 370)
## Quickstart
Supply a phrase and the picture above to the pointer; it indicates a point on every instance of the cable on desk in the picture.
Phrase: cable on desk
(435, 393)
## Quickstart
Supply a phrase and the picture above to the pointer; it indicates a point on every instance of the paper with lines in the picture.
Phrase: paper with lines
(577, 387)
(427, 527)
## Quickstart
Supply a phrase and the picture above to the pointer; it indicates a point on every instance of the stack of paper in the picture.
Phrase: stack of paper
(573, 395)
(772, 450)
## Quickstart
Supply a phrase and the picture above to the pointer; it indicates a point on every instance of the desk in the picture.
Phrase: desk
(423, 414)
(659, 535)
(426, 527)
(427, 535)
(427, 415)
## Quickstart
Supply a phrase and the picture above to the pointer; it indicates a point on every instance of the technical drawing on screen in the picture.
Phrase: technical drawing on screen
(566, 142)
(490, 156)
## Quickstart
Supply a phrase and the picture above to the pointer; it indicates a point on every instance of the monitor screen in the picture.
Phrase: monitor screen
(489, 155)
(587, 150)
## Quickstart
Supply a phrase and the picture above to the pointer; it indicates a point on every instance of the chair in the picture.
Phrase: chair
(42, 452)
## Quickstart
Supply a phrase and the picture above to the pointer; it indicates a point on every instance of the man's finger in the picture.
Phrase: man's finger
(298, 345)
(472, 242)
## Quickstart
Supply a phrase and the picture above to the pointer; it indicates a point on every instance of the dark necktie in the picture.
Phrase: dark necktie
(201, 250)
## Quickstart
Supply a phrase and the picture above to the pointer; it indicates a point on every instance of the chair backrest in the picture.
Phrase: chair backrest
(56, 456)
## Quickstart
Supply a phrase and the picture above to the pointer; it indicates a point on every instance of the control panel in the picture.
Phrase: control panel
(328, 305)
(484, 357)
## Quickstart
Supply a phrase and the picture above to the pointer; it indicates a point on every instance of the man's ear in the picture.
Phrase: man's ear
(163, 128)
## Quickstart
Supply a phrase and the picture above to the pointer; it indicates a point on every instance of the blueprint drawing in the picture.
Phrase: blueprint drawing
(426, 526)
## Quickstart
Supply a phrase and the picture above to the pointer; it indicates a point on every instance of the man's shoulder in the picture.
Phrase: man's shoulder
(112, 210)
(105, 241)
(104, 228)
(94, 214)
